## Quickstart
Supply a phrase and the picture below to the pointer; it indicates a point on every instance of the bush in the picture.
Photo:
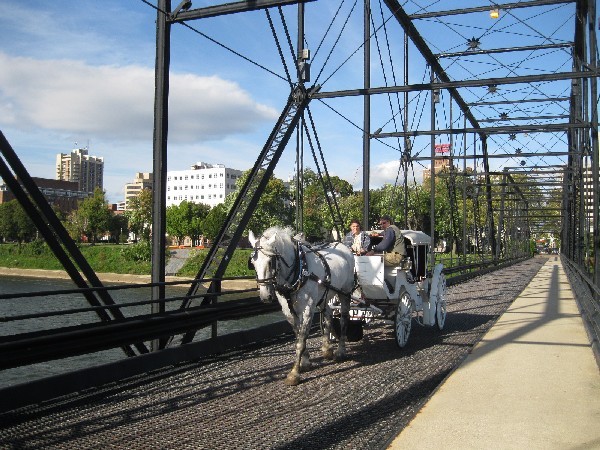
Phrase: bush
(142, 251)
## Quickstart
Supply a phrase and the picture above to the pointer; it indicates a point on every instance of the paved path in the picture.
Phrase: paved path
(531, 383)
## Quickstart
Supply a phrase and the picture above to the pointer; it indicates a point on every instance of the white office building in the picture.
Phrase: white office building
(202, 183)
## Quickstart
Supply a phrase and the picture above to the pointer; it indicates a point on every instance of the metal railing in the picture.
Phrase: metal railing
(587, 294)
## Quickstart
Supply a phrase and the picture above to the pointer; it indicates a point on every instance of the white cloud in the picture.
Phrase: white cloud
(116, 103)
(387, 172)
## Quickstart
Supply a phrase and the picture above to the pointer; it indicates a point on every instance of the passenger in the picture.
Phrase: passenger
(392, 243)
(357, 240)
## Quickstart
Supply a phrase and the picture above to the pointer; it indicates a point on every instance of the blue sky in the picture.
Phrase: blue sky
(82, 71)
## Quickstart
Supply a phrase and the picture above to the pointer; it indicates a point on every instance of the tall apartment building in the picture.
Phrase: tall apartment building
(202, 183)
(142, 180)
(85, 170)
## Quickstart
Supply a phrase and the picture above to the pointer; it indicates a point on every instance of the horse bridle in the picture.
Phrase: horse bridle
(274, 259)
(299, 271)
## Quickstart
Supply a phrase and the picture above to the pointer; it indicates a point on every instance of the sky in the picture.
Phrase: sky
(80, 73)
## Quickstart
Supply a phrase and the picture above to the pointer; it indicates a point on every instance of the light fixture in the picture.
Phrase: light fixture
(503, 116)
(512, 137)
(492, 88)
(495, 13)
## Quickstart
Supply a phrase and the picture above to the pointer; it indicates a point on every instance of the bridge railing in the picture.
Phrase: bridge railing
(30, 337)
(588, 298)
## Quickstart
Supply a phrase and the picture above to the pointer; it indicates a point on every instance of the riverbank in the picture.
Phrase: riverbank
(112, 277)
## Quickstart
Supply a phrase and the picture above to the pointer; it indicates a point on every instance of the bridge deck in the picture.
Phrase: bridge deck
(239, 400)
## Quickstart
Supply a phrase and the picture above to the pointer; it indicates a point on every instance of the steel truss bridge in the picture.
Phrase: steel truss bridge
(504, 111)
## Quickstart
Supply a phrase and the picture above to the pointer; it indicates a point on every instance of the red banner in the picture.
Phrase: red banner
(442, 148)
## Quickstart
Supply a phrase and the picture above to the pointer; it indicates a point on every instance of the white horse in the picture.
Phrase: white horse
(304, 278)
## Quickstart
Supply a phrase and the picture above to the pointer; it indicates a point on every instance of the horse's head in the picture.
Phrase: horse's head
(263, 258)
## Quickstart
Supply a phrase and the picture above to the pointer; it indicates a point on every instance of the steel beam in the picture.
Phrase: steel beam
(504, 50)
(231, 8)
(531, 100)
(509, 129)
(504, 6)
(447, 84)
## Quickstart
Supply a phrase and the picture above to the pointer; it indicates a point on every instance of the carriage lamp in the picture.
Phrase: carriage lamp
(495, 13)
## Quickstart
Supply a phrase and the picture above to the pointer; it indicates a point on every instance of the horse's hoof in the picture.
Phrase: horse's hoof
(292, 380)
(305, 367)
(339, 356)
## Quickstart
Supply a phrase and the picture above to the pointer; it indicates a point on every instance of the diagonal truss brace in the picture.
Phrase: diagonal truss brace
(238, 217)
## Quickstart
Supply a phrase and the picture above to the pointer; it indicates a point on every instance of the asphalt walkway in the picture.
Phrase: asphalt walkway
(532, 382)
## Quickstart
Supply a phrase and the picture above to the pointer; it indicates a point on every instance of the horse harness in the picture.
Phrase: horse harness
(298, 274)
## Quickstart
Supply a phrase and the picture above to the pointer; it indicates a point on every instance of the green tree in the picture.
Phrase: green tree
(274, 206)
(15, 224)
(118, 228)
(214, 221)
(94, 216)
(139, 214)
(318, 219)
(186, 219)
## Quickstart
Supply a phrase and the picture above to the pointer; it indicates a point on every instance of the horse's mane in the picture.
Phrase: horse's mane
(283, 236)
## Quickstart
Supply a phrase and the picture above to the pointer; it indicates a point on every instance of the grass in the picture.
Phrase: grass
(238, 266)
(103, 258)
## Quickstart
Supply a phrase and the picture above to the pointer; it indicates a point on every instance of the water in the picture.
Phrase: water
(20, 306)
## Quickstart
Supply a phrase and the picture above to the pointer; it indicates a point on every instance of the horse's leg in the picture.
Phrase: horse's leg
(340, 353)
(326, 347)
(302, 361)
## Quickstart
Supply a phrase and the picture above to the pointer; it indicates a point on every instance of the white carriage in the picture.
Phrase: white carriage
(399, 294)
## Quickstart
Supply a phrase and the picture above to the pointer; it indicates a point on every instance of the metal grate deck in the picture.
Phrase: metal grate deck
(239, 400)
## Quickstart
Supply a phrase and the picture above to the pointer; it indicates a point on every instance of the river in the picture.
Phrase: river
(48, 303)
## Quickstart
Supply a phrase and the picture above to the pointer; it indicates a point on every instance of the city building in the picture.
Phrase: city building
(442, 160)
(85, 170)
(142, 180)
(64, 195)
(202, 183)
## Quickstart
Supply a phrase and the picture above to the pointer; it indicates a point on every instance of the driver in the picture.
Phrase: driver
(392, 243)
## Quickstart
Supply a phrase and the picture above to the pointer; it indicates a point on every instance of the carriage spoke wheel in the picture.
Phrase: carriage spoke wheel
(403, 320)
(440, 309)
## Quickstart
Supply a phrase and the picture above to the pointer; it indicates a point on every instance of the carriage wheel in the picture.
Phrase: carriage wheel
(440, 309)
(403, 319)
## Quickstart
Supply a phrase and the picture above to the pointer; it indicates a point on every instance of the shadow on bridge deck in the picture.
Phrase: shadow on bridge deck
(531, 382)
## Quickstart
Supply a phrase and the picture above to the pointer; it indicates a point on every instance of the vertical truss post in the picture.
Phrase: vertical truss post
(501, 229)
(159, 182)
(432, 178)
(366, 113)
(464, 194)
(299, 137)
(593, 63)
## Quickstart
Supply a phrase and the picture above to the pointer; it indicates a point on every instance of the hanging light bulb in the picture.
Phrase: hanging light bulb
(495, 13)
